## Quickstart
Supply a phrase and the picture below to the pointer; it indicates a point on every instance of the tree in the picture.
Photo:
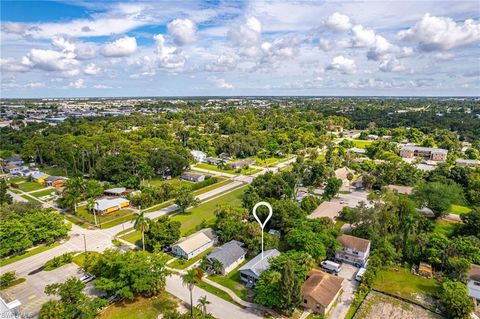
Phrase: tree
(7, 278)
(332, 188)
(185, 198)
(91, 207)
(162, 233)
(438, 196)
(455, 299)
(74, 190)
(290, 286)
(141, 224)
(202, 304)
(4, 196)
(189, 279)
(471, 223)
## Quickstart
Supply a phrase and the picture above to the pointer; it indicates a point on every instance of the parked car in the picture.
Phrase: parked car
(331, 267)
(87, 278)
(114, 299)
(360, 273)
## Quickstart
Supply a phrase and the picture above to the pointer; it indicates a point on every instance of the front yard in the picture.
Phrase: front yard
(233, 282)
(105, 221)
(181, 263)
(30, 186)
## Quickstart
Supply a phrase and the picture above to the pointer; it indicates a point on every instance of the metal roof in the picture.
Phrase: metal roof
(106, 203)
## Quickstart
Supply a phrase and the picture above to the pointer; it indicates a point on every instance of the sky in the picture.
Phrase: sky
(228, 48)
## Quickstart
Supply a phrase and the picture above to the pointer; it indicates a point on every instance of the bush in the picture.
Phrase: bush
(7, 278)
(116, 242)
(59, 261)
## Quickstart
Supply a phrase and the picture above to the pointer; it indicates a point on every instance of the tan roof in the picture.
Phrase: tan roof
(474, 273)
(327, 209)
(322, 287)
(194, 242)
(401, 189)
(342, 173)
(355, 243)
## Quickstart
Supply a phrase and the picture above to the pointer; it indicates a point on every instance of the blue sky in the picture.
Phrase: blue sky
(195, 48)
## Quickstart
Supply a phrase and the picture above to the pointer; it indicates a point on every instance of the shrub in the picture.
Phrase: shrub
(7, 278)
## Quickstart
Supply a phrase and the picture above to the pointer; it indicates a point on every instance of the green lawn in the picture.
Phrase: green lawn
(445, 227)
(159, 206)
(28, 253)
(42, 193)
(233, 282)
(174, 182)
(404, 284)
(215, 168)
(362, 143)
(459, 209)
(14, 283)
(53, 171)
(143, 308)
(16, 180)
(271, 161)
(206, 212)
(30, 199)
(106, 221)
(220, 183)
(14, 190)
(215, 291)
(30, 186)
(133, 237)
(181, 263)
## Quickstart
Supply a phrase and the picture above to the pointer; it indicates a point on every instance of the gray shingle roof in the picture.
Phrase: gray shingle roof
(258, 265)
(228, 253)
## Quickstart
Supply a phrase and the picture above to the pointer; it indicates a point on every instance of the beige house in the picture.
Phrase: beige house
(434, 154)
(320, 291)
(342, 174)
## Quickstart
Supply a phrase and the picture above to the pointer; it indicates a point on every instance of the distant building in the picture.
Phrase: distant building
(354, 251)
(251, 271)
(117, 191)
(54, 181)
(320, 291)
(473, 285)
(10, 309)
(342, 174)
(214, 161)
(193, 245)
(199, 156)
(39, 177)
(467, 162)
(12, 168)
(242, 163)
(434, 154)
(406, 190)
(193, 177)
(110, 205)
(229, 255)
(357, 150)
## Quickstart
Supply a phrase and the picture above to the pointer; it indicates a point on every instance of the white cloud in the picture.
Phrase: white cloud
(49, 60)
(122, 47)
(168, 57)
(442, 33)
(391, 65)
(225, 62)
(78, 84)
(338, 22)
(101, 86)
(343, 65)
(220, 83)
(35, 85)
(11, 65)
(91, 69)
(444, 56)
(183, 31)
(247, 36)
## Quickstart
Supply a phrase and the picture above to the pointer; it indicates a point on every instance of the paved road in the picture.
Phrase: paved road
(349, 285)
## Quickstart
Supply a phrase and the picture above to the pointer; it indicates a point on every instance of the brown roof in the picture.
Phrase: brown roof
(355, 243)
(327, 209)
(321, 287)
(474, 273)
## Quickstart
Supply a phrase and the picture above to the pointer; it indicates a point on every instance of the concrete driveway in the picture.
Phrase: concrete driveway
(349, 285)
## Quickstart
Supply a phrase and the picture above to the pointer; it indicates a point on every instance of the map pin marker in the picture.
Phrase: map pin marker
(262, 225)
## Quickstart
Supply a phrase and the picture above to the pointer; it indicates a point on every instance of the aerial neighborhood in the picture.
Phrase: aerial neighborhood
(359, 208)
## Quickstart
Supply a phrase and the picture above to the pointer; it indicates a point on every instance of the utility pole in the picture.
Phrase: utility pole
(85, 243)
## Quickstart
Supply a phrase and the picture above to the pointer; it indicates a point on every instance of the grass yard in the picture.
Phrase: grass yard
(271, 161)
(194, 217)
(42, 193)
(174, 182)
(14, 190)
(53, 171)
(159, 206)
(445, 227)
(28, 253)
(233, 282)
(31, 199)
(133, 237)
(221, 182)
(181, 263)
(16, 180)
(30, 186)
(403, 284)
(215, 291)
(106, 221)
(215, 168)
(459, 209)
(362, 143)
(145, 308)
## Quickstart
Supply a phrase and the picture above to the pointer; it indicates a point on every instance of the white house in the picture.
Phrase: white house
(198, 156)
(355, 250)
(193, 177)
(109, 205)
(192, 245)
(473, 285)
(251, 271)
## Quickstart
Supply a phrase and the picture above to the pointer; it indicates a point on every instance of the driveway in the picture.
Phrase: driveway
(353, 199)
(349, 285)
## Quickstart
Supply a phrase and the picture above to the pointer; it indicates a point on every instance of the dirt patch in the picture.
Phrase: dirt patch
(380, 306)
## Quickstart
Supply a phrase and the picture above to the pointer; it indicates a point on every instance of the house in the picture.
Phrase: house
(229, 255)
(193, 177)
(10, 309)
(242, 163)
(342, 174)
(327, 209)
(54, 181)
(110, 205)
(12, 169)
(320, 291)
(354, 251)
(15, 160)
(251, 271)
(39, 177)
(406, 190)
(214, 161)
(117, 191)
(225, 156)
(473, 285)
(467, 162)
(357, 150)
(199, 156)
(373, 137)
(193, 245)
(434, 154)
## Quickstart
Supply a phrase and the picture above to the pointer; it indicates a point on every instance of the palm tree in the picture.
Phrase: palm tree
(74, 189)
(189, 279)
(202, 304)
(91, 206)
(141, 224)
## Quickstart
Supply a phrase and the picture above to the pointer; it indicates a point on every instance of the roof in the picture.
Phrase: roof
(197, 153)
(258, 264)
(38, 175)
(357, 150)
(355, 243)
(342, 172)
(401, 189)
(228, 253)
(116, 190)
(467, 161)
(327, 209)
(474, 273)
(53, 178)
(106, 203)
(193, 242)
(192, 174)
(424, 149)
(322, 287)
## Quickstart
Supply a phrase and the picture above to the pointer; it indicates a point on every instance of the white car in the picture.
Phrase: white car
(87, 278)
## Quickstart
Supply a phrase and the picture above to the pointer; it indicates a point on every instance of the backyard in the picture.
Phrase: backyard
(181, 263)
